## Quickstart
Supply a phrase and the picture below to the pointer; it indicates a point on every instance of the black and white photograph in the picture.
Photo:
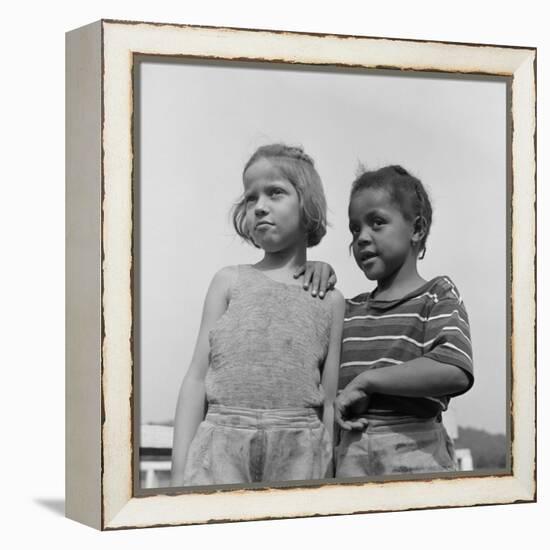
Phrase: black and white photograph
(255, 180)
(175, 174)
(305, 283)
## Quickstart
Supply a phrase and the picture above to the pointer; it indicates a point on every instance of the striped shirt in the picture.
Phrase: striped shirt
(429, 322)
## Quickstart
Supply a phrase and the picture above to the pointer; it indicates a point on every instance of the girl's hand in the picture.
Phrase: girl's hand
(319, 276)
(347, 405)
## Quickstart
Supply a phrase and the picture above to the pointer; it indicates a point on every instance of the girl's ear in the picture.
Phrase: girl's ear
(419, 229)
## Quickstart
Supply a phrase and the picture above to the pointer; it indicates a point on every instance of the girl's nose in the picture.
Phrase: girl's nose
(364, 237)
(261, 208)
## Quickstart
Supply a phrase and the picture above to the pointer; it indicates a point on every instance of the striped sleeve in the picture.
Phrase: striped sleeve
(448, 336)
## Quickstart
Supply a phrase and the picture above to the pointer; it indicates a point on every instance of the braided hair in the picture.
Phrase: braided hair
(405, 191)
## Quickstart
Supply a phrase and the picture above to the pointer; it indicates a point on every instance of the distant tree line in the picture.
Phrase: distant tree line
(488, 450)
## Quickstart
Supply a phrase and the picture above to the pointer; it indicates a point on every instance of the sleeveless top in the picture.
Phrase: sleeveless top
(268, 348)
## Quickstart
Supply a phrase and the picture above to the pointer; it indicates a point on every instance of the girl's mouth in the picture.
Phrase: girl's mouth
(261, 224)
(366, 256)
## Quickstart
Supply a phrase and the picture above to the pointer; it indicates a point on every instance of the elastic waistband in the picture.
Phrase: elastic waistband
(379, 425)
(241, 417)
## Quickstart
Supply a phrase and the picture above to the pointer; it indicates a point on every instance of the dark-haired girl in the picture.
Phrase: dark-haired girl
(406, 346)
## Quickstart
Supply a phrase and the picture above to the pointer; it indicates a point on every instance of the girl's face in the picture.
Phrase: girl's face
(382, 237)
(273, 213)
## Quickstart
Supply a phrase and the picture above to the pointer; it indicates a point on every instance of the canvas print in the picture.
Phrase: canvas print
(395, 184)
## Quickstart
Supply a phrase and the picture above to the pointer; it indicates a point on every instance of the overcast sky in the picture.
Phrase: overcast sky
(199, 124)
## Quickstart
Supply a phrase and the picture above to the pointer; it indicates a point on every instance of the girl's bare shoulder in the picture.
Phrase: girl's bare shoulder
(336, 300)
(224, 279)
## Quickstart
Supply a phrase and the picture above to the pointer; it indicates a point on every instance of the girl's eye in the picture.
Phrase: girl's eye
(249, 199)
(378, 222)
(276, 191)
(353, 229)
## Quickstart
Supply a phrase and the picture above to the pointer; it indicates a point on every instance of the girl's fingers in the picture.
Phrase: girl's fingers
(315, 286)
(308, 272)
(338, 416)
(324, 280)
(357, 424)
(299, 271)
(317, 275)
(344, 424)
(350, 398)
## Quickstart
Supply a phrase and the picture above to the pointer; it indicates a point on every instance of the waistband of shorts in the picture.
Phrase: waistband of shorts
(243, 417)
(401, 424)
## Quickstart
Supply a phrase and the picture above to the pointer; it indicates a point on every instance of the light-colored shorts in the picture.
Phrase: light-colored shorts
(239, 445)
(384, 448)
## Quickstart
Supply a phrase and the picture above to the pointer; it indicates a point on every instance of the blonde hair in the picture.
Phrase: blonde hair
(299, 169)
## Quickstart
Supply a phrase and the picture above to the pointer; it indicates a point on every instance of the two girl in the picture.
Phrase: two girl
(267, 359)
(257, 401)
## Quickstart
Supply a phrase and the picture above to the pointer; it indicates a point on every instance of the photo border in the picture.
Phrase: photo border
(108, 492)
(184, 62)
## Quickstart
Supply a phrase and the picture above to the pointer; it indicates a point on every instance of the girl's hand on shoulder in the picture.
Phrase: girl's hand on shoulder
(347, 405)
(318, 276)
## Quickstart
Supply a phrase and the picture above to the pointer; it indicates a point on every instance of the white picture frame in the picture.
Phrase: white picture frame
(101, 462)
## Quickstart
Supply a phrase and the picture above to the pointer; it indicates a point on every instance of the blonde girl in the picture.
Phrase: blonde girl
(256, 404)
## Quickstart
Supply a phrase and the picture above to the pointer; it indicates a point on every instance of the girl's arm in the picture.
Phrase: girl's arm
(417, 378)
(332, 362)
(191, 404)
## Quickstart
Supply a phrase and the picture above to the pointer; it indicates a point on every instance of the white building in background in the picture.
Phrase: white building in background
(155, 455)
(156, 450)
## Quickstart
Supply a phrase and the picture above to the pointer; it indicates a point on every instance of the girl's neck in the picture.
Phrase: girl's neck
(400, 283)
(283, 261)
